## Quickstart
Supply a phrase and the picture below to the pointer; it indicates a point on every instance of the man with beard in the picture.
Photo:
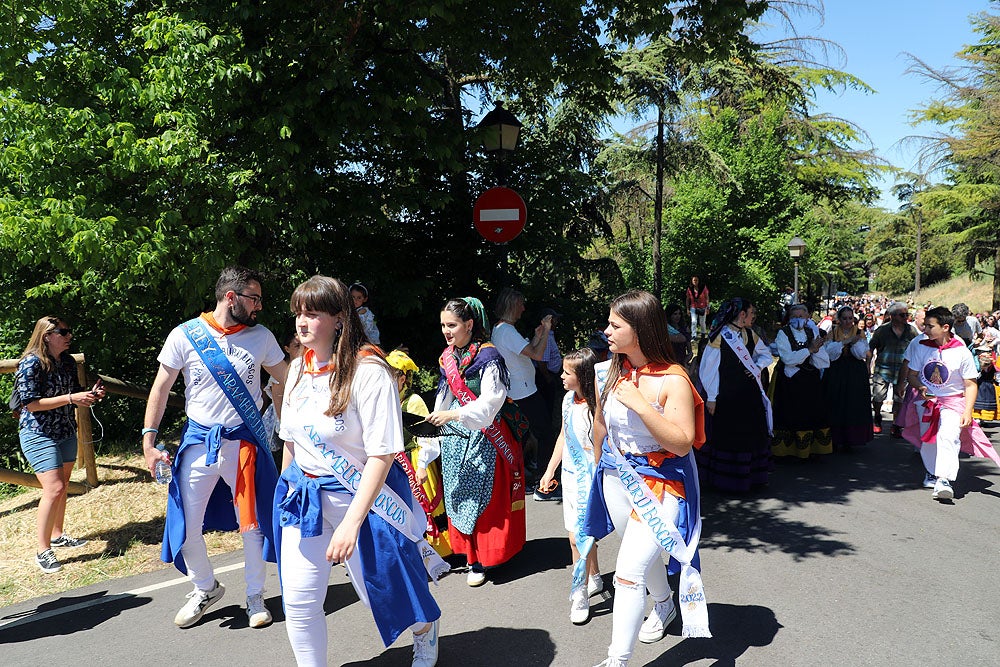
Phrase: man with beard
(222, 455)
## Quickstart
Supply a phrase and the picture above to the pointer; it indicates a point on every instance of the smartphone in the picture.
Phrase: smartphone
(97, 386)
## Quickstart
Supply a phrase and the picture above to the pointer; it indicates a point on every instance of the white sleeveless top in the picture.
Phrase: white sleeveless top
(626, 428)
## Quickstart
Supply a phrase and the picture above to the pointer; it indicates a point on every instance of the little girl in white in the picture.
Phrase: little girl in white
(575, 451)
(359, 296)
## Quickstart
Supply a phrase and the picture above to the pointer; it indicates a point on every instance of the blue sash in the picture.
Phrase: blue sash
(227, 378)
(584, 480)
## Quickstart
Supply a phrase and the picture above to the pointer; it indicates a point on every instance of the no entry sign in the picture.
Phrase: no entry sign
(499, 215)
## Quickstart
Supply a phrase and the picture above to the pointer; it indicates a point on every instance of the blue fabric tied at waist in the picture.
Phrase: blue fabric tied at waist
(214, 436)
(219, 514)
(303, 507)
(392, 569)
(597, 521)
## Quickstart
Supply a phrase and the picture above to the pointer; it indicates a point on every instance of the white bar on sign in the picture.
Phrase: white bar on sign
(499, 215)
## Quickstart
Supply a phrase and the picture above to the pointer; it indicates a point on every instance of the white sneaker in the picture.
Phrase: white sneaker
(942, 490)
(475, 578)
(198, 602)
(595, 584)
(257, 611)
(579, 609)
(929, 481)
(660, 617)
(425, 647)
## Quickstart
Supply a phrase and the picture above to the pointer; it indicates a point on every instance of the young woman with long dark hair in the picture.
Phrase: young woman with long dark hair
(648, 418)
(48, 391)
(481, 457)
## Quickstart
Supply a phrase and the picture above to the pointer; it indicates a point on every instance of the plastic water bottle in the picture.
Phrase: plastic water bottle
(162, 469)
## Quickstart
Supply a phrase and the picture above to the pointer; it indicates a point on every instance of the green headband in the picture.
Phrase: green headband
(478, 312)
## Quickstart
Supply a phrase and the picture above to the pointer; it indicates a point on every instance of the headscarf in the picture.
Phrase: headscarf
(731, 309)
(478, 311)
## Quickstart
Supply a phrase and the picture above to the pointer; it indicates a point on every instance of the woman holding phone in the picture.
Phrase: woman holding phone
(48, 395)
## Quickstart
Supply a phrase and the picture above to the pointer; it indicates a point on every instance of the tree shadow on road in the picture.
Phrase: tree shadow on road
(487, 647)
(759, 521)
(736, 628)
(28, 625)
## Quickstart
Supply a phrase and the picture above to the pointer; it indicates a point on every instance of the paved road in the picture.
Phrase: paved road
(843, 561)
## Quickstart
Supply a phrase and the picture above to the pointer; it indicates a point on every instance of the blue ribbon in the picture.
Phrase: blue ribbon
(584, 479)
(227, 378)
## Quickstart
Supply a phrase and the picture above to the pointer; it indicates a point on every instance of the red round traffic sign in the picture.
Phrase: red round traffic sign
(499, 215)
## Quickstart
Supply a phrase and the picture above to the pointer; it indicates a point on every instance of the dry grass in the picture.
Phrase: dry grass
(122, 518)
(977, 294)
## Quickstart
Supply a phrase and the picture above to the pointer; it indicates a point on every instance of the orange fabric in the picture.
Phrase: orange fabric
(245, 497)
(309, 359)
(226, 331)
(309, 363)
(661, 487)
(674, 487)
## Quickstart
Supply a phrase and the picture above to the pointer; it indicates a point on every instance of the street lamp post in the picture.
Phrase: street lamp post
(500, 130)
(796, 248)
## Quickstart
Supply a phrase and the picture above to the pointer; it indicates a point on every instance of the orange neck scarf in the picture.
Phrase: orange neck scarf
(310, 365)
(633, 374)
(225, 331)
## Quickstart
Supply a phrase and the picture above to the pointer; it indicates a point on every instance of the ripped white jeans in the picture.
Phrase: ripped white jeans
(639, 561)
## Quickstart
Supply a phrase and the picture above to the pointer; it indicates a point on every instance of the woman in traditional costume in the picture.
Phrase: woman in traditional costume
(801, 428)
(420, 461)
(648, 418)
(574, 452)
(985, 407)
(340, 499)
(737, 456)
(481, 457)
(846, 383)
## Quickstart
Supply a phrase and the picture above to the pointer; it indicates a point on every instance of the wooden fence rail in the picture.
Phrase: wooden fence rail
(84, 433)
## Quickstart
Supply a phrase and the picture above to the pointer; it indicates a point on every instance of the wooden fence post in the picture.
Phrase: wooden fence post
(84, 429)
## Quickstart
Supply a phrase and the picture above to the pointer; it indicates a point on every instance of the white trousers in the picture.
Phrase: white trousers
(639, 561)
(197, 481)
(941, 456)
(305, 575)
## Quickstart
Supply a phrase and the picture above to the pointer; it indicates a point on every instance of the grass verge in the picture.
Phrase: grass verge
(976, 293)
(123, 519)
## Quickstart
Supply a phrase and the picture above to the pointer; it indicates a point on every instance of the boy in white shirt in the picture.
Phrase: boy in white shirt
(943, 371)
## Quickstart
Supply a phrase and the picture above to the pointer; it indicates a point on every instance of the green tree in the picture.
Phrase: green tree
(967, 149)
(146, 145)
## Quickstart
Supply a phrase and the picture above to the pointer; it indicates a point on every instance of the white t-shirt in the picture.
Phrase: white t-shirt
(522, 371)
(943, 371)
(247, 350)
(914, 342)
(371, 426)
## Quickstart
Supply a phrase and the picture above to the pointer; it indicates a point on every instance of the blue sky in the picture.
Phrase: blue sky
(875, 36)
